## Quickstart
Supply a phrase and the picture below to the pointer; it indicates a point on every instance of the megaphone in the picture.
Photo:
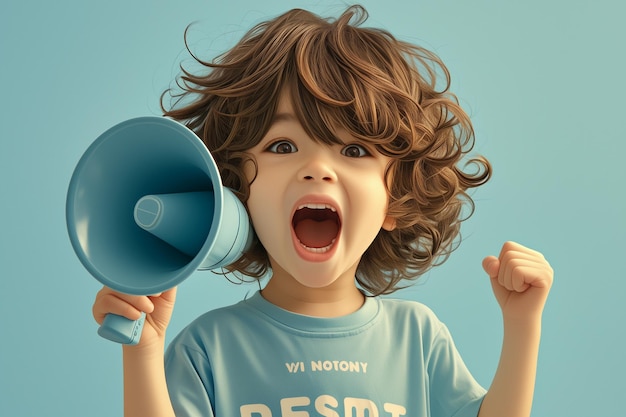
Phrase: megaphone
(146, 208)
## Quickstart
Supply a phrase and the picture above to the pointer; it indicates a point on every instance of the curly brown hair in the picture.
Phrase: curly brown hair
(384, 91)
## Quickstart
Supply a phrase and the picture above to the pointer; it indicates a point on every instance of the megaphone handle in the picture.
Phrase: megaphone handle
(122, 330)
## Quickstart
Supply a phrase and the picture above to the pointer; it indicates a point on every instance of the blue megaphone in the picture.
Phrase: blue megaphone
(146, 208)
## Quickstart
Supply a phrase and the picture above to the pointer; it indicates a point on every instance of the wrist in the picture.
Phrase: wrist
(523, 334)
(524, 322)
(145, 350)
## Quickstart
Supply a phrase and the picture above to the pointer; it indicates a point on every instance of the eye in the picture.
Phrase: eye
(282, 146)
(355, 151)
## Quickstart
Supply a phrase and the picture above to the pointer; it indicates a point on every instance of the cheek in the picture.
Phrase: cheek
(256, 201)
(261, 222)
(374, 187)
(264, 203)
(369, 200)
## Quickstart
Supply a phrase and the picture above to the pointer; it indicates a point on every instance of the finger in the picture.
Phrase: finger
(499, 291)
(169, 295)
(528, 276)
(164, 299)
(491, 265)
(511, 258)
(110, 304)
(164, 305)
(140, 302)
(520, 274)
(125, 305)
(511, 246)
(514, 255)
(509, 278)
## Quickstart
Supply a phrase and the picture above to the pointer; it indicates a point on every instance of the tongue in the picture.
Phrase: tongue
(316, 234)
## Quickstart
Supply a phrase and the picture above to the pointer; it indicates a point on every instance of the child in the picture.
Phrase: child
(346, 149)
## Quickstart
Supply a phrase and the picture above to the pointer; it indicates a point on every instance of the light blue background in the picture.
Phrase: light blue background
(543, 81)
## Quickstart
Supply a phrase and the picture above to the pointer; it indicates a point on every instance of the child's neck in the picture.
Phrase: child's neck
(338, 299)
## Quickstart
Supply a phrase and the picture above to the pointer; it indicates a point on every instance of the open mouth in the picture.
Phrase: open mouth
(316, 226)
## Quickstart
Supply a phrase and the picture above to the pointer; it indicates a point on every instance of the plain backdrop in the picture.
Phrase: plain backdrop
(542, 79)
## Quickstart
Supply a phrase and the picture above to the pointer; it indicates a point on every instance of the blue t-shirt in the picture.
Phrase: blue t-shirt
(390, 358)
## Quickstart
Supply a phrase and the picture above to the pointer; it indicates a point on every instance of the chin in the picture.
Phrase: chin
(313, 281)
(319, 280)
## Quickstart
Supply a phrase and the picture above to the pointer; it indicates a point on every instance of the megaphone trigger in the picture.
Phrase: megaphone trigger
(146, 208)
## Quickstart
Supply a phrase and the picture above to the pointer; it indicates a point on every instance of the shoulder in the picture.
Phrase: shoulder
(217, 320)
(408, 309)
(409, 318)
(200, 346)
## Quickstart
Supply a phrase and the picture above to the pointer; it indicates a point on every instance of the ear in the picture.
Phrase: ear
(389, 224)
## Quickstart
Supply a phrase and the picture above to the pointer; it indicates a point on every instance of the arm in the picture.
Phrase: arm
(145, 389)
(521, 279)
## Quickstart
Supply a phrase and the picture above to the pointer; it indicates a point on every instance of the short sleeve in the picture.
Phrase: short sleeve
(189, 381)
(453, 390)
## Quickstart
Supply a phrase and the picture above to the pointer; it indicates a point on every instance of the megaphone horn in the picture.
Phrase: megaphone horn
(146, 208)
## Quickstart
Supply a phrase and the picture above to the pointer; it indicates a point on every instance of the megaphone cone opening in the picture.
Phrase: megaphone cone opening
(139, 157)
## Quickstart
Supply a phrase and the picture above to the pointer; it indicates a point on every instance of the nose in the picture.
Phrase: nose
(317, 166)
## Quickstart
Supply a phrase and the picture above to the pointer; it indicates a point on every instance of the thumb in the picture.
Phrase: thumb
(491, 265)
(166, 298)
(169, 295)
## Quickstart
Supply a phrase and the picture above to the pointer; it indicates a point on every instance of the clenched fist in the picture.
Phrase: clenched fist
(521, 279)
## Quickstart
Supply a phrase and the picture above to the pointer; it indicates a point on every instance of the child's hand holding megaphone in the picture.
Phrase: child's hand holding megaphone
(157, 308)
(145, 209)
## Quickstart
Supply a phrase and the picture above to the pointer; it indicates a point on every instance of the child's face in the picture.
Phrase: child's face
(316, 208)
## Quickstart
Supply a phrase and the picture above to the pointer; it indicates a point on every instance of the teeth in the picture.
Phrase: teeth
(318, 250)
(317, 206)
